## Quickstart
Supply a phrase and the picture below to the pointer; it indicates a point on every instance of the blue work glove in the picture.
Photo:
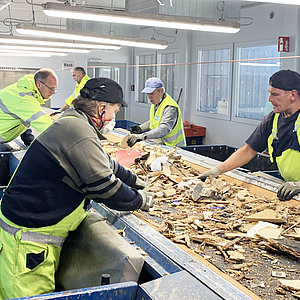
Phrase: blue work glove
(135, 129)
(288, 190)
(139, 184)
(134, 138)
(213, 172)
(27, 137)
(148, 200)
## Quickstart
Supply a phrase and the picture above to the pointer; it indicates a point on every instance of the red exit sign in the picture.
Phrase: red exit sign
(283, 44)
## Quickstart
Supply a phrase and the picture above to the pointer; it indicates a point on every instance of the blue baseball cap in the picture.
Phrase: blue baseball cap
(151, 84)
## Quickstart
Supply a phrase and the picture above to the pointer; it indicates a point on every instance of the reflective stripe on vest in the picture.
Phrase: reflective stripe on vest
(36, 237)
(7, 111)
(289, 158)
(176, 136)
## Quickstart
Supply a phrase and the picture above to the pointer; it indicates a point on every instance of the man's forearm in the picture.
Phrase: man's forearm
(238, 158)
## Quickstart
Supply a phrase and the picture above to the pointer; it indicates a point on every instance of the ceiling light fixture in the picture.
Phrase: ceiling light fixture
(293, 2)
(48, 49)
(33, 54)
(165, 21)
(90, 37)
(36, 52)
(54, 43)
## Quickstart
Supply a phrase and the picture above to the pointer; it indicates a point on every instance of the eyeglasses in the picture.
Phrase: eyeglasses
(51, 89)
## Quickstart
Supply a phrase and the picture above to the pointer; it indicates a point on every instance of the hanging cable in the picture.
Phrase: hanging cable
(165, 35)
(160, 2)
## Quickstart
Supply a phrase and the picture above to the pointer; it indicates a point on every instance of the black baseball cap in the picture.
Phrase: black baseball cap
(103, 89)
(286, 80)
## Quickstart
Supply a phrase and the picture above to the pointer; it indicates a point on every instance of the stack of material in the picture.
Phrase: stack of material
(216, 220)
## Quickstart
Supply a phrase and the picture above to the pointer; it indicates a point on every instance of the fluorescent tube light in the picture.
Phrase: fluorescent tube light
(293, 2)
(49, 49)
(53, 43)
(90, 37)
(165, 21)
(31, 52)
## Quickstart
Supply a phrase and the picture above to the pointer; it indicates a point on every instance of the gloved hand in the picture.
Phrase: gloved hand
(148, 200)
(27, 137)
(134, 138)
(135, 129)
(56, 112)
(214, 172)
(288, 190)
(139, 184)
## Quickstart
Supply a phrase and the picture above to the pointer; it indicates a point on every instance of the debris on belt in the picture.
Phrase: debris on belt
(215, 219)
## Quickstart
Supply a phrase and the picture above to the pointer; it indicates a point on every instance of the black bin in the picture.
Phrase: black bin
(260, 162)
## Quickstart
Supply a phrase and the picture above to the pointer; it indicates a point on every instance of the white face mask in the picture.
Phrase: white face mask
(108, 127)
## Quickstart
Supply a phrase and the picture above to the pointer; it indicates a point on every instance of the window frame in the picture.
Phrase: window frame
(176, 74)
(236, 78)
(229, 109)
(137, 68)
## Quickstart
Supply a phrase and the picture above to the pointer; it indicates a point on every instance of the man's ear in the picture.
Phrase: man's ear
(101, 108)
(294, 95)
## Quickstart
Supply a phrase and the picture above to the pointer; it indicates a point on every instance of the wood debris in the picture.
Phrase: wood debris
(212, 219)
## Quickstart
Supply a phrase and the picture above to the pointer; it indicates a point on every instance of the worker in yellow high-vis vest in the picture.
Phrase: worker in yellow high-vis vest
(51, 190)
(80, 77)
(20, 105)
(279, 131)
(165, 118)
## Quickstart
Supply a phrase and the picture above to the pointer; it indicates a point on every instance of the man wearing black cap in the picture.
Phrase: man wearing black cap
(279, 131)
(49, 196)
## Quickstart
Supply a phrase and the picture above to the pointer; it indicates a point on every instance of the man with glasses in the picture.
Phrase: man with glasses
(80, 77)
(20, 105)
(38, 211)
(165, 118)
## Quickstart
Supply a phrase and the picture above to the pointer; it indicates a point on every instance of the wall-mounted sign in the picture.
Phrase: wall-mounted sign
(222, 107)
(283, 44)
(68, 64)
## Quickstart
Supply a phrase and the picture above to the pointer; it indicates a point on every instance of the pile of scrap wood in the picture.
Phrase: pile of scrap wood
(220, 215)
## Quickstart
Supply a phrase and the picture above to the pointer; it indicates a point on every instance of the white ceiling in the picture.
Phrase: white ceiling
(23, 10)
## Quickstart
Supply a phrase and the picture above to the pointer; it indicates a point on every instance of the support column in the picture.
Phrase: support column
(297, 41)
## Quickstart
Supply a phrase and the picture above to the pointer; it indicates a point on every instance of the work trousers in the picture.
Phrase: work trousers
(29, 257)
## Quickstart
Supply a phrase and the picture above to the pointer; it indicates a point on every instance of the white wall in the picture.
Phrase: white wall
(220, 131)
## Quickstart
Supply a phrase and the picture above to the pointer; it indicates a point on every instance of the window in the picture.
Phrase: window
(253, 72)
(169, 73)
(146, 69)
(214, 81)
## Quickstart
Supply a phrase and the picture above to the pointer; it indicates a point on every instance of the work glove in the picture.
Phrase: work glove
(134, 138)
(135, 129)
(27, 137)
(148, 200)
(288, 190)
(139, 184)
(56, 112)
(214, 172)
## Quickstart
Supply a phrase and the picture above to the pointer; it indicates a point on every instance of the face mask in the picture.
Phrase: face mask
(108, 127)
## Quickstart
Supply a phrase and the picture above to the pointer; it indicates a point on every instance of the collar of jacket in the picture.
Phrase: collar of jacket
(84, 116)
(27, 83)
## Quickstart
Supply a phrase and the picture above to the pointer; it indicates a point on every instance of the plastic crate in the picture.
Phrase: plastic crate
(194, 140)
(194, 134)
(194, 130)
(125, 124)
